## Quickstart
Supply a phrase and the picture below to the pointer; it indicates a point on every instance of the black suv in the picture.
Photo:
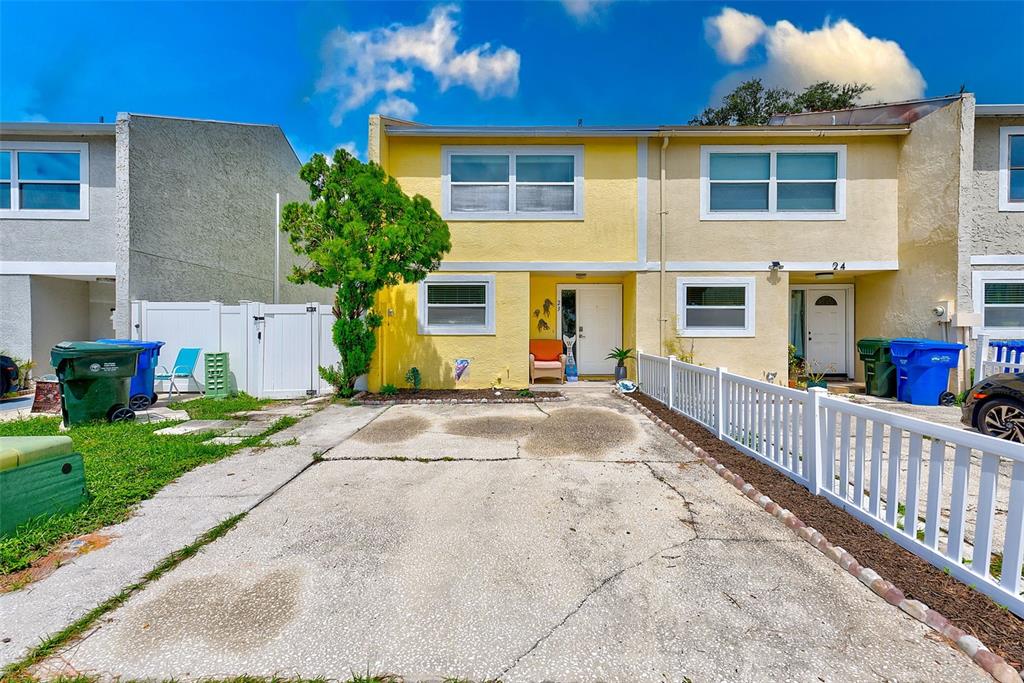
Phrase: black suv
(995, 406)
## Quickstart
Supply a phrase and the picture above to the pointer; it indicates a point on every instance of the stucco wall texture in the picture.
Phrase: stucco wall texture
(869, 232)
(200, 211)
(69, 240)
(750, 356)
(16, 315)
(984, 229)
(899, 303)
(503, 355)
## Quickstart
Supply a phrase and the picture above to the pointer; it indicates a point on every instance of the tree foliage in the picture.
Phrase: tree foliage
(361, 234)
(753, 104)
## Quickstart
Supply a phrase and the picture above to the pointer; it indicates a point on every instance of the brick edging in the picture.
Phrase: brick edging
(993, 664)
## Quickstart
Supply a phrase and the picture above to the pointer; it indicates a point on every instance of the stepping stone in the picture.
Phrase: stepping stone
(200, 426)
(226, 440)
(249, 429)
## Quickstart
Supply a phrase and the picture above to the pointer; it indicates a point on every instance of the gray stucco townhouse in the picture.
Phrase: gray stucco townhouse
(93, 216)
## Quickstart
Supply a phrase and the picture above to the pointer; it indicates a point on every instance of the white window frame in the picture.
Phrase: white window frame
(1004, 168)
(772, 214)
(979, 279)
(576, 151)
(750, 295)
(81, 213)
(488, 328)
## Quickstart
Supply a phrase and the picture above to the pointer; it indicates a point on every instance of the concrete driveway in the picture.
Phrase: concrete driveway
(553, 542)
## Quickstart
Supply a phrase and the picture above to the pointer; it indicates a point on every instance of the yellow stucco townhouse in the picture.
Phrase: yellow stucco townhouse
(732, 242)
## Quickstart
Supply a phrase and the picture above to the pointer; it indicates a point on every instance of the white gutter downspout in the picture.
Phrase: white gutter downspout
(661, 249)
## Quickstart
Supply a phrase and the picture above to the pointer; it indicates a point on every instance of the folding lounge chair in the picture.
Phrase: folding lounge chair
(184, 368)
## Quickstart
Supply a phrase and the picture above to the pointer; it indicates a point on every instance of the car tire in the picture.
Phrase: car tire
(1002, 418)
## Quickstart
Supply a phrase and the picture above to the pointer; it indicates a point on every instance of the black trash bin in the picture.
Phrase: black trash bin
(879, 371)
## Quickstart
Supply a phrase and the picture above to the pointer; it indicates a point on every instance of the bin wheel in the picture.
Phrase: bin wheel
(947, 398)
(139, 402)
(153, 399)
(121, 414)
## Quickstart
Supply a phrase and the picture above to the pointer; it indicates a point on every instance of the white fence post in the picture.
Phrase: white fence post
(720, 401)
(812, 438)
(671, 383)
(980, 356)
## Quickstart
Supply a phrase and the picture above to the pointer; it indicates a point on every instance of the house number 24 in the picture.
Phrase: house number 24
(836, 265)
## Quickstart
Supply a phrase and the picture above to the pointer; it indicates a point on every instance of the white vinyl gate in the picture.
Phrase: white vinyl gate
(274, 350)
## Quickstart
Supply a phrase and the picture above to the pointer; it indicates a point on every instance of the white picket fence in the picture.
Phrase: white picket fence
(950, 496)
(274, 350)
(992, 360)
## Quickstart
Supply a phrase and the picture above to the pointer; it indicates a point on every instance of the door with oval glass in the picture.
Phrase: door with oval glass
(593, 315)
(826, 331)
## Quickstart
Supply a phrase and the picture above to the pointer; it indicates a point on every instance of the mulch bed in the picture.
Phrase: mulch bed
(460, 396)
(999, 629)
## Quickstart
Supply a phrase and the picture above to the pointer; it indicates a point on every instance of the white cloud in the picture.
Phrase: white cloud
(733, 33)
(585, 10)
(360, 65)
(795, 58)
(398, 107)
(350, 147)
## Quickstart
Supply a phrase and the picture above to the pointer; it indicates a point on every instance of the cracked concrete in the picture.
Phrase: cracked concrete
(599, 565)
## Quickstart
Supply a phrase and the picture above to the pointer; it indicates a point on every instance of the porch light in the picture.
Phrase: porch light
(824, 276)
(581, 276)
(775, 266)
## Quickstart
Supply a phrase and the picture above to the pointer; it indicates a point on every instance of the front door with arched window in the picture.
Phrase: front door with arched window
(825, 343)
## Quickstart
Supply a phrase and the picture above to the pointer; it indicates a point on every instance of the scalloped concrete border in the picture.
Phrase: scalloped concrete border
(993, 664)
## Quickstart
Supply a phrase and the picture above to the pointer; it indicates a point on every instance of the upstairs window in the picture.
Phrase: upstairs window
(44, 180)
(536, 182)
(782, 182)
(1011, 168)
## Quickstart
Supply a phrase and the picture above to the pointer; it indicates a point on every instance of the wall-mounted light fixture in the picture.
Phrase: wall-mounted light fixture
(775, 266)
(827, 275)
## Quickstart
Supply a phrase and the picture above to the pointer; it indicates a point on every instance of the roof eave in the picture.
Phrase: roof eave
(46, 128)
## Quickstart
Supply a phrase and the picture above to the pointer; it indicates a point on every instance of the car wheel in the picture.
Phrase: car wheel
(1002, 418)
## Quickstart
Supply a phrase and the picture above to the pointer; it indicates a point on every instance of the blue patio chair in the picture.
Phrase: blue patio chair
(184, 368)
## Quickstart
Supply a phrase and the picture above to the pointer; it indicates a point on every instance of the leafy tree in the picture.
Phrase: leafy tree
(753, 104)
(361, 234)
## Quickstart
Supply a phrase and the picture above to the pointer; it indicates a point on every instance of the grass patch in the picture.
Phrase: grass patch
(219, 408)
(18, 670)
(125, 463)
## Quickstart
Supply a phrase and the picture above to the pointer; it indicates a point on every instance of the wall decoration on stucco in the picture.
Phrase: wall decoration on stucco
(461, 369)
(542, 323)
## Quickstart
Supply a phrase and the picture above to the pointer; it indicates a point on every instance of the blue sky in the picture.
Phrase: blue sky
(319, 69)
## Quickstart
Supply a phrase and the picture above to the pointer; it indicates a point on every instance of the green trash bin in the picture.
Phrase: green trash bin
(879, 371)
(39, 475)
(94, 380)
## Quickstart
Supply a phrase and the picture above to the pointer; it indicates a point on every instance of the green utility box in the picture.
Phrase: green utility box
(94, 380)
(217, 378)
(39, 475)
(879, 371)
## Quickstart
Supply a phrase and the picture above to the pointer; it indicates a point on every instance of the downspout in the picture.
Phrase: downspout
(661, 248)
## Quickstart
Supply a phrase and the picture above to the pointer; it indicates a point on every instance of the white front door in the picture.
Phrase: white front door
(826, 331)
(598, 324)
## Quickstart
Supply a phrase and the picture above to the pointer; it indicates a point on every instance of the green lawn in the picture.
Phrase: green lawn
(218, 409)
(124, 464)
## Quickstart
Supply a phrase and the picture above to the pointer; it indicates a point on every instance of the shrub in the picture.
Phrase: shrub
(413, 379)
(388, 390)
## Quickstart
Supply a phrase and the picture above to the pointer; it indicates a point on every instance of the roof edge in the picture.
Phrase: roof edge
(55, 128)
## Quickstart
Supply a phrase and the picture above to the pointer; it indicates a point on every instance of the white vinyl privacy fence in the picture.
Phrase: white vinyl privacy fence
(950, 496)
(274, 350)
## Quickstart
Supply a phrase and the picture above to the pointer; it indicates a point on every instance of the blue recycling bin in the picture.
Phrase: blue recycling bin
(142, 392)
(922, 369)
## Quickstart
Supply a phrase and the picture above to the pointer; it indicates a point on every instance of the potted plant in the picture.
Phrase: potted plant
(621, 355)
(816, 378)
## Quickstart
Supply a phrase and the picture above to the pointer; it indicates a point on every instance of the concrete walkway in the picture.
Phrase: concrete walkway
(564, 542)
(174, 518)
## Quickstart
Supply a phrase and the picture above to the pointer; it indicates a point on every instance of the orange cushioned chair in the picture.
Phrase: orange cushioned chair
(547, 359)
